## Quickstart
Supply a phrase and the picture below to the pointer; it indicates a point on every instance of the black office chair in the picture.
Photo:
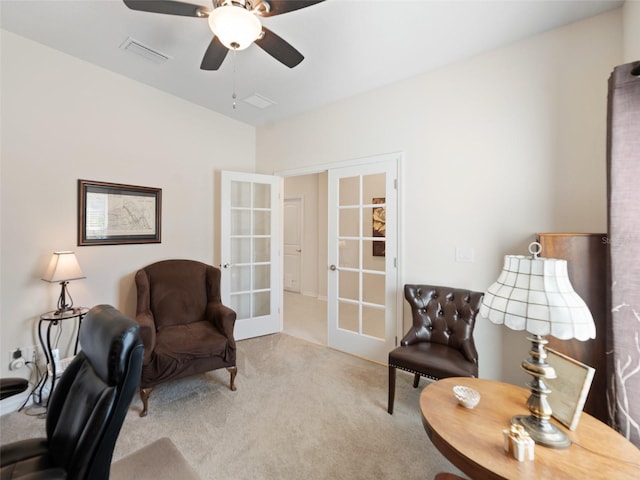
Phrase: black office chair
(88, 406)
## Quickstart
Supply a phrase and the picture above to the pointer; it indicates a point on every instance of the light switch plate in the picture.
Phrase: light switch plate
(465, 254)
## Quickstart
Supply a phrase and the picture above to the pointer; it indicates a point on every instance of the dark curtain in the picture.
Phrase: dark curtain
(623, 177)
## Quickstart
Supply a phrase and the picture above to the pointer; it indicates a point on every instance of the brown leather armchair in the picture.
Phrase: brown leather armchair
(184, 326)
(440, 342)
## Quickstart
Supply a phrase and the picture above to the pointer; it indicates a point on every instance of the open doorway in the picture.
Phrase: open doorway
(305, 278)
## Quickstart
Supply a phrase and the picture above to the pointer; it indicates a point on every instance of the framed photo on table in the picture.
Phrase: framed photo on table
(569, 389)
(113, 213)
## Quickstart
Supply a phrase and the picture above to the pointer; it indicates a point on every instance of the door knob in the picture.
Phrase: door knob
(226, 265)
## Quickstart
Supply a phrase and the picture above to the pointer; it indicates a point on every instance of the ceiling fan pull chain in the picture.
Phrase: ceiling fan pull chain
(233, 95)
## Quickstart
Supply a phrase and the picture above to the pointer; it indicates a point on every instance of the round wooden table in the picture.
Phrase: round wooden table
(473, 441)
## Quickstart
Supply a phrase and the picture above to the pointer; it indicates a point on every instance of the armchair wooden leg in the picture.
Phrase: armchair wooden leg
(392, 389)
(233, 371)
(144, 396)
(416, 380)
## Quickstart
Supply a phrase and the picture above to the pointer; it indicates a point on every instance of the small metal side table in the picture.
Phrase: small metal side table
(50, 319)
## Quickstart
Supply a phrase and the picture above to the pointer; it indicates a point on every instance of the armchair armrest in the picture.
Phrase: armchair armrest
(469, 351)
(144, 316)
(224, 319)
(415, 335)
(147, 332)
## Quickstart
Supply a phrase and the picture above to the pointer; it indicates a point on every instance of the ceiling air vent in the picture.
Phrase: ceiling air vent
(258, 101)
(134, 46)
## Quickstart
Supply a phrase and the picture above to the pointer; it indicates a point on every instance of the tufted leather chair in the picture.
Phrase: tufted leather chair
(440, 342)
(184, 325)
(87, 407)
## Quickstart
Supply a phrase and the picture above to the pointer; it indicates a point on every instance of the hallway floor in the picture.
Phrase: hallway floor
(305, 317)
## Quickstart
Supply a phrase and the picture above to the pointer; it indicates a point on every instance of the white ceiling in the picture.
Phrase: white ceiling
(350, 46)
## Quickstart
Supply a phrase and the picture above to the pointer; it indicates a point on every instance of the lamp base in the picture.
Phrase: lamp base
(544, 434)
(63, 306)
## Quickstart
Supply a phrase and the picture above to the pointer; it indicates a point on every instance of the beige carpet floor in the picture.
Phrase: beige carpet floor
(301, 411)
(160, 459)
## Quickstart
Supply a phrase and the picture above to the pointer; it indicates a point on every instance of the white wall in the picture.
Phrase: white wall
(63, 120)
(631, 25)
(496, 148)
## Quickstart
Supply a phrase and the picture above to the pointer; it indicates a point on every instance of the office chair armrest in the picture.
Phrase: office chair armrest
(30, 454)
(224, 320)
(22, 450)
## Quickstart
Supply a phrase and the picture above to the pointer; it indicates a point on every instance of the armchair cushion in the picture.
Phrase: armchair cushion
(441, 361)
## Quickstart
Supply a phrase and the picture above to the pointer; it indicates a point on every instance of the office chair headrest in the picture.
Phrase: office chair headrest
(108, 358)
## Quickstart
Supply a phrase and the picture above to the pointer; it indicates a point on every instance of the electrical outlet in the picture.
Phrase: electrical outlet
(16, 353)
(17, 359)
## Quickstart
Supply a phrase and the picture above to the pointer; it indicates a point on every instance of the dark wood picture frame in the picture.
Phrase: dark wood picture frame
(113, 213)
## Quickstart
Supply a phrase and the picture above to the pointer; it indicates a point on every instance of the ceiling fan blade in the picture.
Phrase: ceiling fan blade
(278, 7)
(279, 48)
(168, 7)
(214, 56)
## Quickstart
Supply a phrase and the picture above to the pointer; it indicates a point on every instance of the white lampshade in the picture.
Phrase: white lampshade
(63, 267)
(535, 294)
(236, 27)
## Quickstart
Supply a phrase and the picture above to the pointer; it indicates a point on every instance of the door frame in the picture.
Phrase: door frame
(399, 158)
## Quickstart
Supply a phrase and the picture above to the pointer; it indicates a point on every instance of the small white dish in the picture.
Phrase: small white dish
(467, 397)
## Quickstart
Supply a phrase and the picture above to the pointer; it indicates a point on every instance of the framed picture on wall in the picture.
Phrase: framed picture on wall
(569, 389)
(112, 213)
(378, 226)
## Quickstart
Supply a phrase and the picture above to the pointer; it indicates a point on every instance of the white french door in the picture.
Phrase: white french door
(249, 246)
(362, 276)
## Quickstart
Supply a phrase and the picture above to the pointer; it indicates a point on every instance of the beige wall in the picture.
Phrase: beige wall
(631, 25)
(496, 148)
(64, 119)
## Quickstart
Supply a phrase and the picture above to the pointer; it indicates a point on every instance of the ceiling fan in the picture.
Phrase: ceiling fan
(235, 25)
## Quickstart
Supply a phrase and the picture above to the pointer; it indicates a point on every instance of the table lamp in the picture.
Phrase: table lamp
(535, 294)
(63, 268)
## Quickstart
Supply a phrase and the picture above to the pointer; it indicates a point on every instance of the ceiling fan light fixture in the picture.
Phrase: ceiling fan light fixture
(236, 27)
